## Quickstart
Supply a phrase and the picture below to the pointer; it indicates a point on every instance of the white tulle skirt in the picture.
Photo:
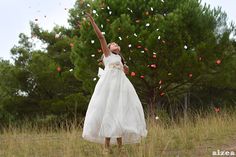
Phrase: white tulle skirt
(114, 110)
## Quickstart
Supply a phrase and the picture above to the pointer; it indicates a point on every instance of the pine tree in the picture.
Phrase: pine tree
(170, 46)
(173, 49)
(44, 82)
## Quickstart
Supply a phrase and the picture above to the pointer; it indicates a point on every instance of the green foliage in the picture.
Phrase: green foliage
(187, 38)
(33, 86)
(182, 38)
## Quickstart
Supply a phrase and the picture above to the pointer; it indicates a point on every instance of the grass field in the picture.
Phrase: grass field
(198, 137)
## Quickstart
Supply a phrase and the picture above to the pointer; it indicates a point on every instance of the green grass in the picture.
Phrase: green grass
(185, 138)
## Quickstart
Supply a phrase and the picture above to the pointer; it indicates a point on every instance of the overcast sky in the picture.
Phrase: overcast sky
(16, 14)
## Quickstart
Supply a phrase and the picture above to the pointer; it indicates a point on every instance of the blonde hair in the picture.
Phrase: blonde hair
(122, 58)
(108, 45)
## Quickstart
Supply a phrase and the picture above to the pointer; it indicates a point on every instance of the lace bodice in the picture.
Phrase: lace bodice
(113, 60)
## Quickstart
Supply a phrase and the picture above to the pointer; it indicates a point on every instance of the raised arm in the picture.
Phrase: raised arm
(100, 36)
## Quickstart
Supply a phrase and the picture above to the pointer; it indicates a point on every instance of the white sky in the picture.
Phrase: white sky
(16, 14)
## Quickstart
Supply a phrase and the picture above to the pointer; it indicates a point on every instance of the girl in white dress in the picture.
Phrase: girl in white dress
(115, 114)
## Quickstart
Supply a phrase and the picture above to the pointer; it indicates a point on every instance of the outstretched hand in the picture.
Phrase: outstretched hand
(89, 16)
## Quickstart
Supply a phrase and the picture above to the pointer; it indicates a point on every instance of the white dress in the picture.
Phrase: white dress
(114, 109)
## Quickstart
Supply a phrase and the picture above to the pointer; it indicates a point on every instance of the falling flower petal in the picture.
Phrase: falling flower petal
(58, 69)
(139, 46)
(218, 61)
(190, 75)
(94, 11)
(217, 109)
(71, 45)
(130, 10)
(132, 73)
(153, 65)
(58, 35)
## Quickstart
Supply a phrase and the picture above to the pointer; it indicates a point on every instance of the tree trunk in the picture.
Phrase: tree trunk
(151, 108)
(152, 104)
(186, 106)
